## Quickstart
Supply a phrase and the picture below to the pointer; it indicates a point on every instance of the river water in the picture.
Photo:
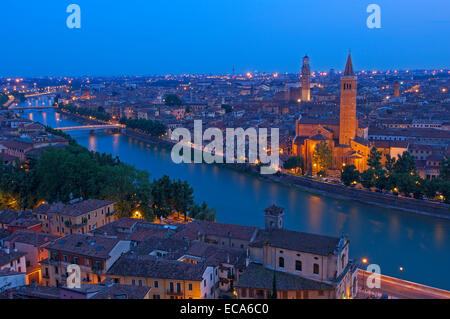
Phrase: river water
(419, 244)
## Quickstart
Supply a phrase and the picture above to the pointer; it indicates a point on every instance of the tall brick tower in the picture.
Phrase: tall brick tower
(306, 77)
(348, 120)
(396, 89)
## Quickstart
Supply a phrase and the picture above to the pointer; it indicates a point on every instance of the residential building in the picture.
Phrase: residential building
(33, 244)
(93, 254)
(303, 265)
(77, 217)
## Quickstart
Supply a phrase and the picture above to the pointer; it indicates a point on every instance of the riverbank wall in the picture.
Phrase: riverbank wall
(411, 205)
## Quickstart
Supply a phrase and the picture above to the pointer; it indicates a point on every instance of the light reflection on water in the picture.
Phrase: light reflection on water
(392, 239)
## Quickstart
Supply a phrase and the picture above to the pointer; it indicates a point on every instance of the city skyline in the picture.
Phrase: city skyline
(119, 39)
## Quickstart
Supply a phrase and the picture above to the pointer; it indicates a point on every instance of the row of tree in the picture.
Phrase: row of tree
(74, 172)
(97, 114)
(153, 128)
(399, 176)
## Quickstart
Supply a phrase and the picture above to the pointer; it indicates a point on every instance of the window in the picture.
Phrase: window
(321, 293)
(298, 265)
(171, 286)
(316, 269)
(281, 262)
(178, 287)
(156, 297)
(140, 283)
(155, 284)
(244, 292)
(190, 287)
(343, 261)
(133, 282)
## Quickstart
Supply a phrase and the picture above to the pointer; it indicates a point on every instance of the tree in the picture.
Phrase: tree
(367, 178)
(382, 180)
(322, 156)
(405, 164)
(444, 189)
(202, 212)
(349, 175)
(153, 128)
(390, 162)
(374, 160)
(445, 169)
(228, 108)
(172, 100)
(184, 198)
(431, 187)
(294, 162)
(406, 183)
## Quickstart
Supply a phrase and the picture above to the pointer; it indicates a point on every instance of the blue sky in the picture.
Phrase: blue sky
(144, 37)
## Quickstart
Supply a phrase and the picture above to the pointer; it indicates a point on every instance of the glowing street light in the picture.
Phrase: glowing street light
(364, 261)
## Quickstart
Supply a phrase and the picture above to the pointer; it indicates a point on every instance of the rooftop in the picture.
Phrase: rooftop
(34, 238)
(73, 210)
(153, 267)
(97, 247)
(297, 241)
(258, 277)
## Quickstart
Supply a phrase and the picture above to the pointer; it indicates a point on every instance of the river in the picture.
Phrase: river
(392, 239)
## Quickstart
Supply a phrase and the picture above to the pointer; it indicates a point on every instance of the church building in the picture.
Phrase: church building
(346, 139)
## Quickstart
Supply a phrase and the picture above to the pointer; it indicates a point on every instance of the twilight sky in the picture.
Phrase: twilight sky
(145, 37)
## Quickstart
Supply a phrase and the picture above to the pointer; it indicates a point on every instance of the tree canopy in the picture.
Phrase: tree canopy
(322, 156)
(153, 128)
(294, 162)
(172, 100)
(60, 175)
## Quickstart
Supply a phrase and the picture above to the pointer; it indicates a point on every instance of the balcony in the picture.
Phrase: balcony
(174, 293)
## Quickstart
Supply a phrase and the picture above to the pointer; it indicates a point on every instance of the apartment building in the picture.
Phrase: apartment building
(33, 244)
(93, 254)
(77, 217)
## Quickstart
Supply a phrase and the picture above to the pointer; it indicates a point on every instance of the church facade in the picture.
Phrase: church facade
(345, 138)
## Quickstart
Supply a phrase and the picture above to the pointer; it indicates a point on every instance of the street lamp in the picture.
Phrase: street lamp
(364, 261)
(401, 272)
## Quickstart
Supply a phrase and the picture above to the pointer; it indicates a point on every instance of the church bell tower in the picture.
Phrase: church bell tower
(347, 117)
(306, 78)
